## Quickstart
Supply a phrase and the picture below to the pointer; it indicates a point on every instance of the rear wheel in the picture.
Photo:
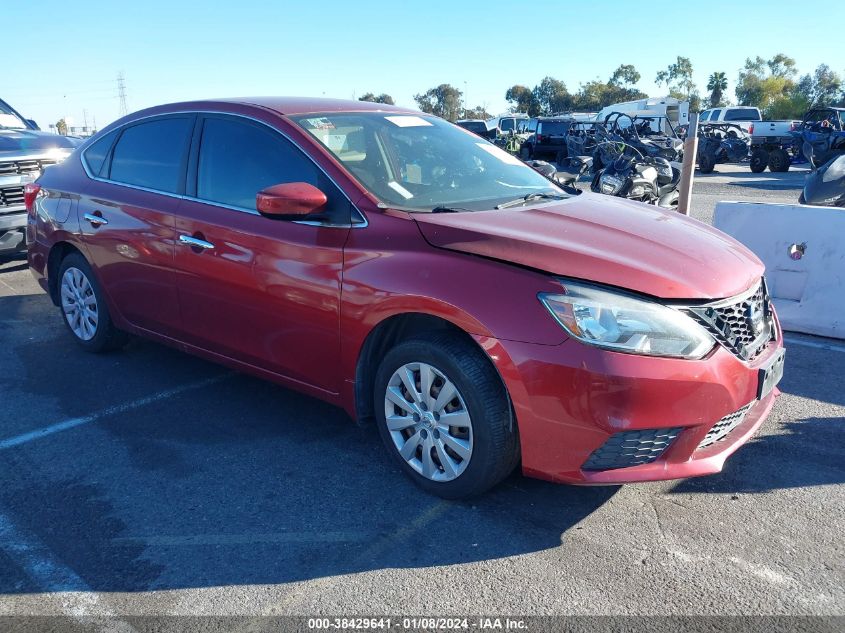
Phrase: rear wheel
(759, 160)
(84, 308)
(779, 160)
(444, 415)
(706, 163)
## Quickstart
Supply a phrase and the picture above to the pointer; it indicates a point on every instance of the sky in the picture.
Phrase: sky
(63, 57)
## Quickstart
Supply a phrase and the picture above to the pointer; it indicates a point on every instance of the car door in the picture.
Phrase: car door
(126, 217)
(261, 291)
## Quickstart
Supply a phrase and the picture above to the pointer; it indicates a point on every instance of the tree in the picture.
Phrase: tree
(770, 86)
(443, 101)
(822, 88)
(717, 84)
(382, 98)
(678, 78)
(551, 96)
(522, 100)
(625, 75)
(478, 112)
(61, 127)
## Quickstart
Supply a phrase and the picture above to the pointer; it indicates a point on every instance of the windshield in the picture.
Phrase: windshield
(420, 163)
(9, 119)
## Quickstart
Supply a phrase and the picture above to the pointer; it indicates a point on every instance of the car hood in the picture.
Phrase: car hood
(606, 240)
(16, 142)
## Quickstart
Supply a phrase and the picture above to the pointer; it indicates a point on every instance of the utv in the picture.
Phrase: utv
(721, 143)
(822, 134)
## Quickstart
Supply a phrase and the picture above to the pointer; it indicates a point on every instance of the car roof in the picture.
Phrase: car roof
(280, 105)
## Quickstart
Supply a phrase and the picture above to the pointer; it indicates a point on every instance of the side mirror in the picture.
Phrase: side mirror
(290, 200)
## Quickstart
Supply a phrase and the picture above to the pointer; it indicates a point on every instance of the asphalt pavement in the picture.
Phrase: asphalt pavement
(149, 482)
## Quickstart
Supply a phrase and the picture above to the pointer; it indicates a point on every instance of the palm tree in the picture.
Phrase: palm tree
(717, 83)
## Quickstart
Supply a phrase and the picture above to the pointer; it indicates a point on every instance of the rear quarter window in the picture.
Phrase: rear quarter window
(95, 155)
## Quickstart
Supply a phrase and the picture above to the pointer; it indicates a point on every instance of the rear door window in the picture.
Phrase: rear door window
(237, 159)
(153, 154)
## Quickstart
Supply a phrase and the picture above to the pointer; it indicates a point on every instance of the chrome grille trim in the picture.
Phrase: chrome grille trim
(732, 321)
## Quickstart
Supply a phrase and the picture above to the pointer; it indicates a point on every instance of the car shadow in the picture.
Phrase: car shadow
(806, 453)
(238, 482)
(13, 263)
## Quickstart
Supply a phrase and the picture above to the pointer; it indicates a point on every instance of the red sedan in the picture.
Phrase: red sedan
(418, 276)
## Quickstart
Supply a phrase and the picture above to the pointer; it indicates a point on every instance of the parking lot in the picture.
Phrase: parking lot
(149, 482)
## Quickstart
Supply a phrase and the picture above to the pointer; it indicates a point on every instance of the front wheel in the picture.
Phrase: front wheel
(706, 163)
(444, 415)
(84, 307)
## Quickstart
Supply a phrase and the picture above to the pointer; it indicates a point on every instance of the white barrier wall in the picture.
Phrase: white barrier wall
(803, 248)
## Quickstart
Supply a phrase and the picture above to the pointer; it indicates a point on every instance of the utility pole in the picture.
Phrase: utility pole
(688, 168)
(121, 93)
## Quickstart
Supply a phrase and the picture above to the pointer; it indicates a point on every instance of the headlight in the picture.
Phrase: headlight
(625, 323)
(610, 184)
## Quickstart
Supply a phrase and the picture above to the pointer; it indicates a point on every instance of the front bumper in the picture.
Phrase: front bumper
(570, 399)
(12, 230)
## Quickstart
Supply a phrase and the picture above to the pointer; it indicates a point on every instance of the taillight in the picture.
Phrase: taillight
(30, 192)
(751, 128)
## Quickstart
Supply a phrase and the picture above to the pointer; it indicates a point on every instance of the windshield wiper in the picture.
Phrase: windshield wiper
(529, 197)
(448, 209)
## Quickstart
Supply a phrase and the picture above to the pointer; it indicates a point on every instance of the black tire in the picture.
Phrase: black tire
(759, 160)
(560, 157)
(706, 163)
(801, 199)
(495, 440)
(106, 336)
(525, 152)
(779, 160)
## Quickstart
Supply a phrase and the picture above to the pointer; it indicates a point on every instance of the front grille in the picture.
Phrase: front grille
(744, 325)
(29, 166)
(631, 448)
(11, 196)
(724, 426)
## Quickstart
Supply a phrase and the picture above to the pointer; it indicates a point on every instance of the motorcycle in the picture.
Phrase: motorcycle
(628, 173)
(825, 186)
(564, 178)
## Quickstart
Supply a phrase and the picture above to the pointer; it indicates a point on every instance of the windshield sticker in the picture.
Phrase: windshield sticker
(413, 174)
(501, 154)
(320, 123)
(408, 121)
(400, 190)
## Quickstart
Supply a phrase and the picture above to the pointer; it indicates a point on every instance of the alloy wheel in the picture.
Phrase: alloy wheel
(79, 304)
(428, 421)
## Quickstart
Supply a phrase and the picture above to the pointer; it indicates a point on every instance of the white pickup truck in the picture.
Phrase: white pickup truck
(770, 141)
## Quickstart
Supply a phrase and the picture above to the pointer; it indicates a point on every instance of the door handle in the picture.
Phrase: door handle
(95, 220)
(195, 242)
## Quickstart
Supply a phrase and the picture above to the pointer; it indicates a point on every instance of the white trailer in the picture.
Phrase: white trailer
(675, 110)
